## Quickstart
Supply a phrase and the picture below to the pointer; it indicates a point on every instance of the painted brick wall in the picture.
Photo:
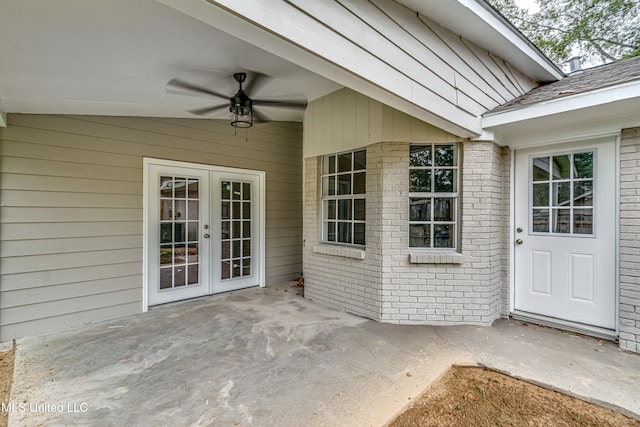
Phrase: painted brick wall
(446, 290)
(506, 229)
(335, 275)
(394, 284)
(629, 238)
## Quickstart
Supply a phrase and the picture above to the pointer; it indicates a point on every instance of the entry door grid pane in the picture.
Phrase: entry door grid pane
(562, 194)
(179, 231)
(236, 239)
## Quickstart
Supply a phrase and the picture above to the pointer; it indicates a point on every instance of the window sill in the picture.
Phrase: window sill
(435, 258)
(340, 251)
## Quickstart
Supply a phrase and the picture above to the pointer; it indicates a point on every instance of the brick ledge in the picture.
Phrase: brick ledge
(339, 251)
(435, 258)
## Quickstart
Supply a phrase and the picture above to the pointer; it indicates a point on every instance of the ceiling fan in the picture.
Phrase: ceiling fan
(240, 105)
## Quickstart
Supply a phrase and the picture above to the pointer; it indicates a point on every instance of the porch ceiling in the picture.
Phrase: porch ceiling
(116, 57)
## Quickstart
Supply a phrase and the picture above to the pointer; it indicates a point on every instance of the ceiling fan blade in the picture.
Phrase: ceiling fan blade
(208, 110)
(280, 103)
(260, 117)
(256, 82)
(180, 86)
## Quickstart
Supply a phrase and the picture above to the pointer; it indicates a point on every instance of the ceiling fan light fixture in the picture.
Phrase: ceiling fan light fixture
(241, 114)
(240, 105)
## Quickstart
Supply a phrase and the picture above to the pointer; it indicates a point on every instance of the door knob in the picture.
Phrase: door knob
(518, 241)
(206, 236)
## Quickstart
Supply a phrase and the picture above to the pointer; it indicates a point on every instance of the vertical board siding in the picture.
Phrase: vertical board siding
(71, 208)
(365, 122)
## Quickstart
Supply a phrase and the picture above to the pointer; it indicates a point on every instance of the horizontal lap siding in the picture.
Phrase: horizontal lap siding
(437, 61)
(71, 208)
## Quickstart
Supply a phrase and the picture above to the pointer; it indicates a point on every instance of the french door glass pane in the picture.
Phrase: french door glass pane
(236, 205)
(178, 231)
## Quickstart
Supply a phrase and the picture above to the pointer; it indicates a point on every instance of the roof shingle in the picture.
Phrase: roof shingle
(588, 80)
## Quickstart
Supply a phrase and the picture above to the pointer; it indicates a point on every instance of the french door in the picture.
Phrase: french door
(565, 231)
(204, 230)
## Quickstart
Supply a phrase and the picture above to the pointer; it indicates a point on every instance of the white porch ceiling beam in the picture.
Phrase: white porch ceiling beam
(288, 32)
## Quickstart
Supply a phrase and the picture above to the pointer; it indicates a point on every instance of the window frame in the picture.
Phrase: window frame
(326, 197)
(434, 195)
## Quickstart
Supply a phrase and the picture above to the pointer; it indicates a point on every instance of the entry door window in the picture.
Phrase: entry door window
(236, 224)
(562, 194)
(179, 231)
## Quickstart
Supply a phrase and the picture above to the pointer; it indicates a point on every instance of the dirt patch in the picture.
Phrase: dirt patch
(471, 396)
(6, 378)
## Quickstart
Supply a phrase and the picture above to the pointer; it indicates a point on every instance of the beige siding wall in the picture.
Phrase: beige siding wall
(345, 120)
(71, 209)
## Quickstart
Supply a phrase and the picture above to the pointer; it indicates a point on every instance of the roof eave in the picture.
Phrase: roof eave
(476, 20)
(622, 92)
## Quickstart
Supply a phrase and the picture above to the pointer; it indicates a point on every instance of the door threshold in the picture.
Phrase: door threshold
(593, 331)
(199, 297)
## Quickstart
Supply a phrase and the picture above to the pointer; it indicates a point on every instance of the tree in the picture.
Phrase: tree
(599, 31)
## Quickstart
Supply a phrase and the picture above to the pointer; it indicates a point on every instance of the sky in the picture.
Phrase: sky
(528, 4)
(532, 5)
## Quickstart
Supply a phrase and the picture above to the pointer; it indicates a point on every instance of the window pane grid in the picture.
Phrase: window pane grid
(433, 196)
(343, 182)
(561, 194)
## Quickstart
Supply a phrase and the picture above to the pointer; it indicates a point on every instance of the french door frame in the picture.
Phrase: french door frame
(212, 172)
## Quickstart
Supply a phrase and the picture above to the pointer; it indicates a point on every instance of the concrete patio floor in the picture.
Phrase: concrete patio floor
(266, 356)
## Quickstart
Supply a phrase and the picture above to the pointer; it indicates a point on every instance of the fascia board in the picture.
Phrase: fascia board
(478, 22)
(627, 91)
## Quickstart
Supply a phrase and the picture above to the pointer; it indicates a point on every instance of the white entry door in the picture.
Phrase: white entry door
(204, 228)
(565, 233)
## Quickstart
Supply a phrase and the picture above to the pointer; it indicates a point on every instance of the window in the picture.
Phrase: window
(433, 196)
(343, 197)
(562, 194)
